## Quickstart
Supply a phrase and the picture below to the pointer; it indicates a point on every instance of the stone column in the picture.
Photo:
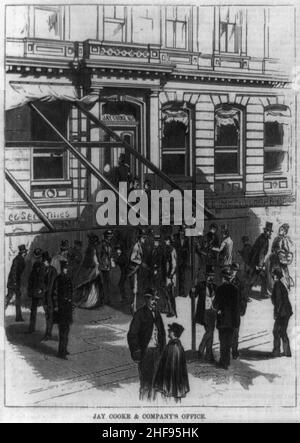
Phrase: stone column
(154, 129)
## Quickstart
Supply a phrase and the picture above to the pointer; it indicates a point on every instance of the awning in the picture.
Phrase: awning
(18, 94)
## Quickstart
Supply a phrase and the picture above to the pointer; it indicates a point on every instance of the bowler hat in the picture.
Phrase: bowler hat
(37, 253)
(46, 256)
(176, 328)
(22, 248)
(150, 293)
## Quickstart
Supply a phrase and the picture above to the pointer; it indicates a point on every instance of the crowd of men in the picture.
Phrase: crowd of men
(160, 261)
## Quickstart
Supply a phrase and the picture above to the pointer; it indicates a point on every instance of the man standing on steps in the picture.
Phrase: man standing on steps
(14, 281)
(146, 340)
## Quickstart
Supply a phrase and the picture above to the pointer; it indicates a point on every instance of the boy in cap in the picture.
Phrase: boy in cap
(14, 281)
(226, 304)
(63, 306)
(147, 339)
(171, 378)
(206, 314)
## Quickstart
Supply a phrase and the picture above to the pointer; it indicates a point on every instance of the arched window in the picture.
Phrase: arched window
(228, 139)
(175, 140)
(276, 139)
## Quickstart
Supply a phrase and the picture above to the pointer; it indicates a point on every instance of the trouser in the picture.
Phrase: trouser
(105, 280)
(49, 319)
(17, 293)
(133, 274)
(235, 342)
(122, 283)
(35, 303)
(63, 330)
(181, 280)
(280, 334)
(206, 345)
(225, 336)
(170, 300)
(147, 371)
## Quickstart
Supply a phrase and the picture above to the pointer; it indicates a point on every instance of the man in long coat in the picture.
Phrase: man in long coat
(243, 300)
(50, 276)
(63, 306)
(182, 249)
(37, 289)
(146, 340)
(282, 314)
(14, 281)
(226, 304)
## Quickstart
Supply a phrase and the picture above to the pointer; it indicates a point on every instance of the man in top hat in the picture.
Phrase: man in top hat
(14, 281)
(63, 305)
(136, 262)
(105, 258)
(282, 314)
(226, 303)
(146, 340)
(182, 247)
(170, 269)
(243, 300)
(61, 256)
(258, 254)
(37, 288)
(205, 313)
(50, 276)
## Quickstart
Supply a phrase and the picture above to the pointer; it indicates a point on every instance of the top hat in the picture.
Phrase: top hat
(176, 328)
(64, 245)
(37, 253)
(22, 248)
(235, 267)
(269, 227)
(209, 270)
(150, 293)
(46, 256)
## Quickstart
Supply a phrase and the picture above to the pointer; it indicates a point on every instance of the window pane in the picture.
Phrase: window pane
(274, 134)
(173, 164)
(180, 35)
(170, 34)
(228, 135)
(17, 124)
(276, 161)
(113, 31)
(57, 113)
(231, 38)
(223, 37)
(226, 163)
(46, 23)
(48, 164)
(174, 136)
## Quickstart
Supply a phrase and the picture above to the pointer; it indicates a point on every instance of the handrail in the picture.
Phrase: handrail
(23, 194)
(82, 159)
(136, 154)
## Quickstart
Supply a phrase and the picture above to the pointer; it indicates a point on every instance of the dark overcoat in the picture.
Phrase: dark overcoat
(280, 300)
(140, 332)
(259, 251)
(227, 306)
(15, 273)
(201, 294)
(37, 281)
(63, 299)
(50, 277)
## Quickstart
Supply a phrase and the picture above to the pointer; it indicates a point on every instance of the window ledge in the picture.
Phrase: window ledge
(229, 177)
(51, 183)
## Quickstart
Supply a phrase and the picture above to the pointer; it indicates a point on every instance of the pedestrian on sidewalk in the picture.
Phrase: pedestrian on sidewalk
(50, 276)
(226, 304)
(182, 247)
(14, 281)
(243, 300)
(206, 314)
(37, 289)
(63, 308)
(122, 262)
(171, 378)
(282, 314)
(61, 256)
(147, 340)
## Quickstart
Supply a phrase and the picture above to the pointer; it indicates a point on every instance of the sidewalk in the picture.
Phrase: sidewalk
(100, 372)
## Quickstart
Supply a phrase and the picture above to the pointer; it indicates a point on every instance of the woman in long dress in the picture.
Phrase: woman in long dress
(88, 284)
